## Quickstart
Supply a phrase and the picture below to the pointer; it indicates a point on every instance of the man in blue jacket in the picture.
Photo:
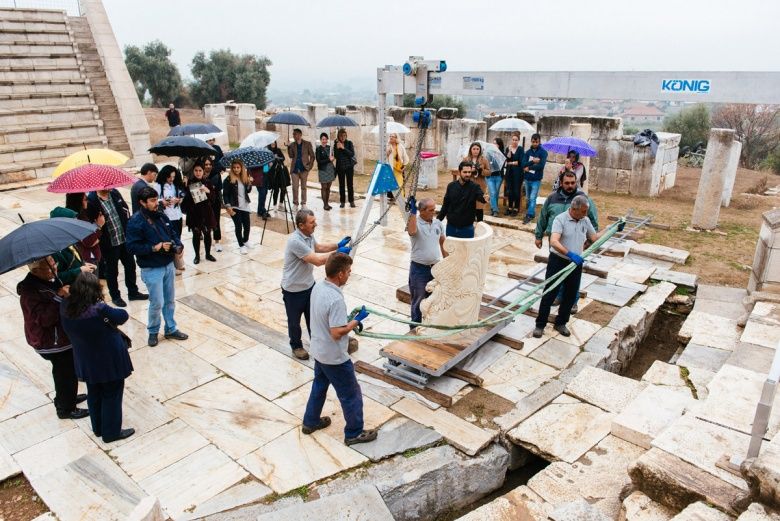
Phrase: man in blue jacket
(154, 242)
(533, 167)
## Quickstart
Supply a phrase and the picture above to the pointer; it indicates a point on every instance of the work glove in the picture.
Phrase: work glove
(576, 259)
(412, 205)
(362, 314)
(621, 225)
(343, 242)
(345, 250)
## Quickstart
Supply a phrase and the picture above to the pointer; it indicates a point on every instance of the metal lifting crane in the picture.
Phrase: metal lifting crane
(426, 78)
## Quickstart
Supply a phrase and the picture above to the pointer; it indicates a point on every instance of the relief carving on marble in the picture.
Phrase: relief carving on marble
(459, 280)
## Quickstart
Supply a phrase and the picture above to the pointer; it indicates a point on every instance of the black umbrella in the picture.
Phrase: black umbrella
(337, 121)
(288, 118)
(252, 157)
(190, 129)
(183, 146)
(38, 239)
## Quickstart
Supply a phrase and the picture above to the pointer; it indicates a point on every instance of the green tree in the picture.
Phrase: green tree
(439, 101)
(693, 124)
(223, 76)
(153, 72)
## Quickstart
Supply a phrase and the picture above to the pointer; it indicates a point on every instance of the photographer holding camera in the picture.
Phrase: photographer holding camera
(154, 242)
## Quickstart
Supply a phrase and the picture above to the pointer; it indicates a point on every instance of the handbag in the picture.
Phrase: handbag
(111, 325)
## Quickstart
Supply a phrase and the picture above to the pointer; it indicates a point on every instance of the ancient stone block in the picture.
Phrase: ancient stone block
(706, 209)
(603, 389)
(653, 409)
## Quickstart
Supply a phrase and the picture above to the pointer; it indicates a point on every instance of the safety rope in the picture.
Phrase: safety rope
(523, 303)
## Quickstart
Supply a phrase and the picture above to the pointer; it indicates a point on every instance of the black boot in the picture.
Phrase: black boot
(207, 246)
(480, 214)
(196, 246)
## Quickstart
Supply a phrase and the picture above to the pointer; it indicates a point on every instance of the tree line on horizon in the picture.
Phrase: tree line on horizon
(220, 76)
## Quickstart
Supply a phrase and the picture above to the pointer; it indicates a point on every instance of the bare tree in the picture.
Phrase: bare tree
(756, 126)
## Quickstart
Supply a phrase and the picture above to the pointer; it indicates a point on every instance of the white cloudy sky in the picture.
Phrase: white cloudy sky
(315, 43)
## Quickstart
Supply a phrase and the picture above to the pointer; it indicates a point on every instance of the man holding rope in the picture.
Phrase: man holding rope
(567, 240)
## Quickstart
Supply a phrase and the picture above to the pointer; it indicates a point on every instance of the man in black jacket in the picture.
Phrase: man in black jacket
(459, 206)
(172, 115)
(148, 176)
(153, 240)
(112, 205)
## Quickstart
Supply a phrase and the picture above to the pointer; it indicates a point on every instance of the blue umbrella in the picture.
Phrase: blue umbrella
(183, 146)
(288, 118)
(252, 157)
(337, 121)
(38, 239)
(564, 145)
(194, 128)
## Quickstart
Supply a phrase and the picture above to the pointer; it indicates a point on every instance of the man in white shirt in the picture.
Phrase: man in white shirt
(427, 236)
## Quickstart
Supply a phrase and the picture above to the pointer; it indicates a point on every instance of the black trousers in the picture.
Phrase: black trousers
(66, 384)
(177, 225)
(105, 408)
(217, 209)
(345, 181)
(113, 255)
(571, 285)
(241, 223)
(197, 234)
(296, 303)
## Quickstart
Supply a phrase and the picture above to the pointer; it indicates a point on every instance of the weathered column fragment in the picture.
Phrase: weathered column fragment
(706, 210)
(731, 172)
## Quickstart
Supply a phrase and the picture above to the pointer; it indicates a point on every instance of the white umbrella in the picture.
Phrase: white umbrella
(495, 157)
(511, 124)
(206, 137)
(259, 139)
(392, 128)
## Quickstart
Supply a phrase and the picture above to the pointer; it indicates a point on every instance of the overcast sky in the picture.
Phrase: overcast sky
(316, 43)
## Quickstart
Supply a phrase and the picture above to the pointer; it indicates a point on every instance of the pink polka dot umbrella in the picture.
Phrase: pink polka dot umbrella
(90, 177)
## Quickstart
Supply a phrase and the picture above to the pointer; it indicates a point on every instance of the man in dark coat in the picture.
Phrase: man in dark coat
(173, 116)
(148, 176)
(40, 294)
(113, 207)
(153, 240)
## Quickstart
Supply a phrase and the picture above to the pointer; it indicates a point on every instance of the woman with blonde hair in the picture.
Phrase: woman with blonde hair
(396, 156)
(481, 169)
(235, 193)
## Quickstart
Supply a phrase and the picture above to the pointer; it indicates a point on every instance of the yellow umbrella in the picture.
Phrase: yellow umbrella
(102, 156)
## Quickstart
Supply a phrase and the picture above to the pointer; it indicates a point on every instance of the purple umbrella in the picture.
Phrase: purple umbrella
(563, 145)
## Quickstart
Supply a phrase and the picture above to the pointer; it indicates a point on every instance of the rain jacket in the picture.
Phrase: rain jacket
(535, 170)
(557, 203)
(41, 310)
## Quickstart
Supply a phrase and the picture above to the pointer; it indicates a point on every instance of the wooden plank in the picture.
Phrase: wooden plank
(375, 372)
(657, 226)
(466, 376)
(403, 295)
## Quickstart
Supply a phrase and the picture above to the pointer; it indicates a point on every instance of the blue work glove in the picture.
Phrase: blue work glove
(621, 225)
(345, 250)
(412, 203)
(362, 314)
(576, 259)
(343, 242)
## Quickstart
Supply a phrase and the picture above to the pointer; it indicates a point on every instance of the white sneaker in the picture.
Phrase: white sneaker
(243, 250)
(248, 245)
(302, 207)
(218, 247)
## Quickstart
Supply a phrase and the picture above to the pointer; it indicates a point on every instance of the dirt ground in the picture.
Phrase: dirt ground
(480, 406)
(18, 500)
(660, 344)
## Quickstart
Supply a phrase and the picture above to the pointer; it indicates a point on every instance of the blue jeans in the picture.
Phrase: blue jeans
(494, 187)
(531, 191)
(159, 282)
(461, 232)
(342, 377)
(419, 276)
(296, 303)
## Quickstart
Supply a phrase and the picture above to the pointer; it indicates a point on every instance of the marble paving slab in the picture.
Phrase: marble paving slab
(39, 459)
(710, 330)
(649, 413)
(32, 427)
(484, 357)
(381, 271)
(8, 466)
(581, 331)
(446, 384)
(675, 277)
(202, 328)
(266, 372)
(603, 389)
(296, 459)
(374, 413)
(752, 357)
(139, 411)
(623, 283)
(396, 437)
(703, 444)
(729, 310)
(641, 260)
(29, 363)
(610, 293)
(154, 374)
(519, 371)
(212, 351)
(13, 324)
(761, 334)
(362, 503)
(660, 252)
(248, 305)
(733, 395)
(632, 272)
(148, 454)
(231, 416)
(724, 293)
(17, 394)
(102, 490)
(461, 434)
(388, 394)
(563, 430)
(702, 357)
(555, 353)
(193, 480)
(245, 492)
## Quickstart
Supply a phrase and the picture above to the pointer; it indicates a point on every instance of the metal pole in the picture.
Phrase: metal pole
(764, 406)
(382, 102)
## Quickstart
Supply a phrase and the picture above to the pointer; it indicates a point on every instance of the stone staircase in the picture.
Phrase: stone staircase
(47, 107)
